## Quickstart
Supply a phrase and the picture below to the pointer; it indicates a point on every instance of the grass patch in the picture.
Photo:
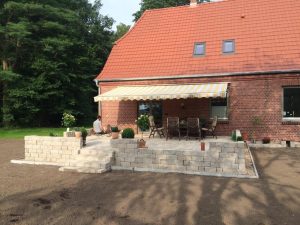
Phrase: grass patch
(19, 133)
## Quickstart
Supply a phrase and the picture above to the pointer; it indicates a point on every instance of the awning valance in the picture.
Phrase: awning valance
(160, 92)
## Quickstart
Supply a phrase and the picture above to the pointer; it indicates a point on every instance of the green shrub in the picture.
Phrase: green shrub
(68, 120)
(115, 129)
(84, 132)
(128, 133)
(143, 122)
(239, 139)
(233, 136)
(77, 129)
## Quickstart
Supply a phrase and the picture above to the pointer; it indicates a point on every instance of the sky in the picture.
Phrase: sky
(120, 10)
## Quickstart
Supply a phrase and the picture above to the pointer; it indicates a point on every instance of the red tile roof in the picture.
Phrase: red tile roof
(266, 34)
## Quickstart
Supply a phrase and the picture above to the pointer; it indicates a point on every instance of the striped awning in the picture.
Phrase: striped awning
(157, 92)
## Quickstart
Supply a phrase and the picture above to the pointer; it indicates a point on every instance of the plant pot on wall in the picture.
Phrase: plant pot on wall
(115, 132)
(245, 136)
(141, 143)
(115, 135)
(77, 134)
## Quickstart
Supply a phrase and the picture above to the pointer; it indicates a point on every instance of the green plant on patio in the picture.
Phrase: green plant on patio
(128, 133)
(68, 120)
(143, 123)
(115, 132)
(84, 134)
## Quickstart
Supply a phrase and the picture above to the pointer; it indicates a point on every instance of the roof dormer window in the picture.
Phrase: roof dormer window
(199, 49)
(228, 46)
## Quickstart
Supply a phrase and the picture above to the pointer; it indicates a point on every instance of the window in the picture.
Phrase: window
(291, 102)
(228, 46)
(199, 49)
(153, 108)
(219, 108)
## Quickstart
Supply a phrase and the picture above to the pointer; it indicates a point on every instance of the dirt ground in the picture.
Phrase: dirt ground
(37, 195)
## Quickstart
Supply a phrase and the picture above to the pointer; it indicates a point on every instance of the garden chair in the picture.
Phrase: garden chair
(155, 129)
(193, 128)
(212, 128)
(173, 127)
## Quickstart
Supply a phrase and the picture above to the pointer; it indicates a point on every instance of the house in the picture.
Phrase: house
(235, 59)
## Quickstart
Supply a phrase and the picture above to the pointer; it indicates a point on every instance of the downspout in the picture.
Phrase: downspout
(99, 102)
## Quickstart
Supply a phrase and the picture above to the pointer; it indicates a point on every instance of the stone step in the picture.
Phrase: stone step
(83, 170)
(95, 152)
(86, 157)
(90, 164)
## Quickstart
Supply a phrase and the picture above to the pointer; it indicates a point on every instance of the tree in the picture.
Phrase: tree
(50, 50)
(156, 4)
(122, 29)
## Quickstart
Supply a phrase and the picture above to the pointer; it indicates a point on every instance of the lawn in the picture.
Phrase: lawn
(19, 133)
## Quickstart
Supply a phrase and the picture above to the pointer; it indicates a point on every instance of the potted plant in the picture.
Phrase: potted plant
(245, 136)
(68, 120)
(266, 140)
(128, 133)
(84, 134)
(77, 132)
(143, 124)
(115, 132)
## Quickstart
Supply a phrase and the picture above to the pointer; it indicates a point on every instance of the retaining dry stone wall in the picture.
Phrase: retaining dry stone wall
(56, 150)
(218, 159)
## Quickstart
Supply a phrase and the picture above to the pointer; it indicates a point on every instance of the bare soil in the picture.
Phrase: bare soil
(37, 195)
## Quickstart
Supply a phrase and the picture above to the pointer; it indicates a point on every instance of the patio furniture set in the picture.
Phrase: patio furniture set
(189, 128)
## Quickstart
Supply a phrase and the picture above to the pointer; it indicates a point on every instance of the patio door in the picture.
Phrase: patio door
(153, 108)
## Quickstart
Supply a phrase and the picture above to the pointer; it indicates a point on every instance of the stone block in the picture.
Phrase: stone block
(168, 161)
(147, 161)
(170, 152)
(228, 150)
(192, 168)
(241, 161)
(171, 157)
(228, 160)
(227, 155)
(219, 170)
(155, 161)
(210, 169)
(125, 164)
(186, 162)
(182, 157)
(181, 168)
(197, 158)
(241, 144)
(230, 170)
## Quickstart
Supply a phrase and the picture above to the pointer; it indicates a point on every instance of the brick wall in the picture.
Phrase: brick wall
(248, 96)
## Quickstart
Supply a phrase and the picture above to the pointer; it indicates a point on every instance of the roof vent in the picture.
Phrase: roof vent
(193, 3)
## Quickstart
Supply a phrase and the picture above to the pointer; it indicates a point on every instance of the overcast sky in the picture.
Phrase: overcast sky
(120, 10)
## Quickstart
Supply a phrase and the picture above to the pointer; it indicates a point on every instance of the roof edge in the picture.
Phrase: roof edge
(272, 72)
(131, 29)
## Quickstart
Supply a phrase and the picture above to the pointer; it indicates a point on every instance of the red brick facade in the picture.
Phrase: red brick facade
(249, 96)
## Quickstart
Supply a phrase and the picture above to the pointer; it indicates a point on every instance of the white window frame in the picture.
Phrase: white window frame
(224, 118)
(204, 49)
(287, 119)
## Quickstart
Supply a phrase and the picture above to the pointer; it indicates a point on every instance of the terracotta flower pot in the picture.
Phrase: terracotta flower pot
(114, 135)
(77, 134)
(202, 146)
(245, 136)
(141, 143)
